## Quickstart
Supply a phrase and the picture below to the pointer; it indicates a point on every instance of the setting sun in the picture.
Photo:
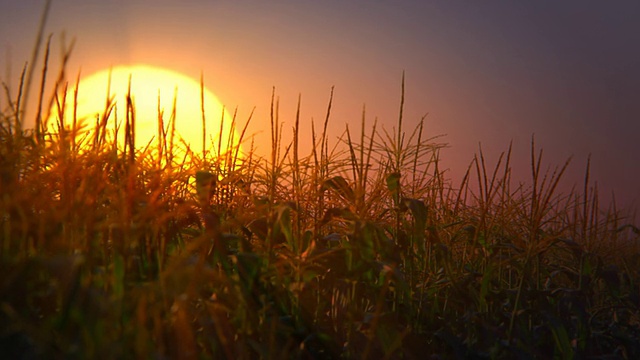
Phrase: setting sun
(153, 91)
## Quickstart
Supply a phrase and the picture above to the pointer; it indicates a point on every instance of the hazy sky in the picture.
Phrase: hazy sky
(489, 72)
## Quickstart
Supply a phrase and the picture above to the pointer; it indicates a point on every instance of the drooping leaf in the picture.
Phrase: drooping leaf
(341, 187)
(338, 214)
(259, 227)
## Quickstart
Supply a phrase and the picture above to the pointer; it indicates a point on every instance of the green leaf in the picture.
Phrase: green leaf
(118, 277)
(309, 275)
(248, 266)
(485, 288)
(205, 181)
(419, 212)
(561, 338)
(393, 184)
(283, 223)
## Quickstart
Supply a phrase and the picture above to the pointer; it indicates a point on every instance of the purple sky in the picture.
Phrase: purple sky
(568, 72)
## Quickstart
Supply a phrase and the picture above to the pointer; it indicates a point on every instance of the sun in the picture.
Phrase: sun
(153, 91)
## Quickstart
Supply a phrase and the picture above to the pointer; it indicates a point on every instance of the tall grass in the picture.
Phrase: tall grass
(362, 248)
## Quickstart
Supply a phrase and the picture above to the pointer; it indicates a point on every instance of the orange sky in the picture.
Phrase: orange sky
(484, 73)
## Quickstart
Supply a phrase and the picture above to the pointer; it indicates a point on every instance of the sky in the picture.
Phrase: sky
(485, 72)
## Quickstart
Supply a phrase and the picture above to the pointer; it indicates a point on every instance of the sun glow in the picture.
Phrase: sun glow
(153, 91)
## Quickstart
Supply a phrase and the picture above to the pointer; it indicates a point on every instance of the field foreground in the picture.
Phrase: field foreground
(360, 249)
